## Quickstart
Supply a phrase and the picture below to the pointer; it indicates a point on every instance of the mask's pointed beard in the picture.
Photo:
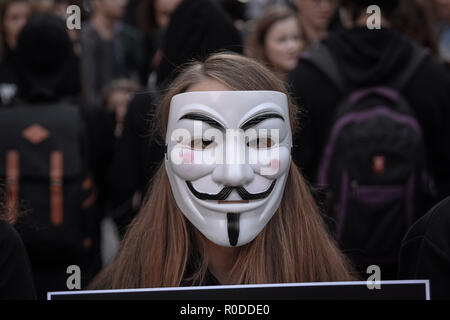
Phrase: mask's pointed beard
(233, 228)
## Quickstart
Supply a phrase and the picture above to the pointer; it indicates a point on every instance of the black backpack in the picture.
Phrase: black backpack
(49, 195)
(373, 167)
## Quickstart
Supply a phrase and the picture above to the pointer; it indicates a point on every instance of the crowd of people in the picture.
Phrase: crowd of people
(83, 119)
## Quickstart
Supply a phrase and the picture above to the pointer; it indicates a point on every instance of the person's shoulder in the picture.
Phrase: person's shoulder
(9, 238)
(307, 78)
(434, 226)
(304, 67)
(432, 74)
(141, 102)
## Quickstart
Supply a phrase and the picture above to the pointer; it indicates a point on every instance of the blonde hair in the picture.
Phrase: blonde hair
(157, 248)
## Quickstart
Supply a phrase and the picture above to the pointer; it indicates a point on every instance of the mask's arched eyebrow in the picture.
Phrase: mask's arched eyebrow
(258, 119)
(201, 117)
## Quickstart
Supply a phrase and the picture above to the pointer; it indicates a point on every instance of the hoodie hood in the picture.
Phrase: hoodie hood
(369, 57)
(197, 29)
(43, 53)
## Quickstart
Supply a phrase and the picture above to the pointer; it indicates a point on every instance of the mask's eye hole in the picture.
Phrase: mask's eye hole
(201, 144)
(261, 143)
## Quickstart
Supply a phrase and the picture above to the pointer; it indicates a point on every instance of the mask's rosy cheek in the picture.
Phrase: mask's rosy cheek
(275, 165)
(187, 156)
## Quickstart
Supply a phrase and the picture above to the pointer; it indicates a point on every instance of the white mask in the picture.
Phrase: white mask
(225, 181)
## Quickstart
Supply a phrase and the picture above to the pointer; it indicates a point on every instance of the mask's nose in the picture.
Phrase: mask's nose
(233, 175)
(235, 171)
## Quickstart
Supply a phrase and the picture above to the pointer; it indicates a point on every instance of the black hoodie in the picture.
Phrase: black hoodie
(366, 58)
(197, 29)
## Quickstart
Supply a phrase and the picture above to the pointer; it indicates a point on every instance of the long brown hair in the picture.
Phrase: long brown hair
(293, 247)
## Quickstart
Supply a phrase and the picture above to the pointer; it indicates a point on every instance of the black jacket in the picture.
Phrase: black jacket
(425, 252)
(367, 58)
(137, 156)
(16, 281)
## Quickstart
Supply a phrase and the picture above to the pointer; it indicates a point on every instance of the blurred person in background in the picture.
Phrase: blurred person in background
(116, 97)
(344, 71)
(154, 19)
(105, 127)
(42, 5)
(13, 17)
(197, 28)
(443, 12)
(315, 18)
(44, 158)
(237, 10)
(276, 40)
(110, 49)
(60, 9)
(135, 160)
(415, 18)
(255, 8)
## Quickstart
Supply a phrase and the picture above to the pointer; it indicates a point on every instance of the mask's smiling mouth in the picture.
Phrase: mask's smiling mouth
(233, 201)
(226, 191)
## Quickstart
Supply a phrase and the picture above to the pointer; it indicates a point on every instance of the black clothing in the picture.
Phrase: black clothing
(197, 29)
(16, 281)
(425, 252)
(102, 61)
(151, 45)
(100, 124)
(367, 58)
(9, 78)
(47, 67)
(137, 156)
(193, 265)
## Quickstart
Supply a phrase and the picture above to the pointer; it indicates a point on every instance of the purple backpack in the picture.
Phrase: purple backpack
(373, 166)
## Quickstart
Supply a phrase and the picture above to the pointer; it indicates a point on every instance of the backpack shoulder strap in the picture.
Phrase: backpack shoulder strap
(417, 57)
(320, 56)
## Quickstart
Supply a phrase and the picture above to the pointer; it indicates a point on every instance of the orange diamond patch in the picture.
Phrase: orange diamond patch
(35, 133)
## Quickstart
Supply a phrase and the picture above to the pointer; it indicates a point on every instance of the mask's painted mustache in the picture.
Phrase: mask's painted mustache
(225, 192)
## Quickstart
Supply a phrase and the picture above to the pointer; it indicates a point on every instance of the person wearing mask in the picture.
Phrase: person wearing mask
(13, 16)
(276, 40)
(225, 222)
(315, 17)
